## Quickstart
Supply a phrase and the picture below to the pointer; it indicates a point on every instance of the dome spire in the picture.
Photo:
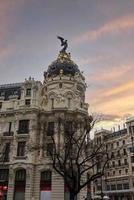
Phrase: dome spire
(63, 63)
(63, 43)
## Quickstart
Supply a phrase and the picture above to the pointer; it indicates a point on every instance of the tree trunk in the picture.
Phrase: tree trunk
(73, 196)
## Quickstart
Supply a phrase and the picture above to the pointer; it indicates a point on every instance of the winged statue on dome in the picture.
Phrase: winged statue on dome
(63, 43)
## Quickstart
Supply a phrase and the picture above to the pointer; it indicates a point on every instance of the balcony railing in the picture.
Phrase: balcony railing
(21, 131)
(8, 133)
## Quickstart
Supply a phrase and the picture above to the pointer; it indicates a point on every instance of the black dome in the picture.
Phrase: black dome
(63, 65)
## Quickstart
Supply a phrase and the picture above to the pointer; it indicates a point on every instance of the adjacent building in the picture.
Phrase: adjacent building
(118, 181)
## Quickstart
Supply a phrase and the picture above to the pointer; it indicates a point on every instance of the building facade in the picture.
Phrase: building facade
(118, 181)
(30, 113)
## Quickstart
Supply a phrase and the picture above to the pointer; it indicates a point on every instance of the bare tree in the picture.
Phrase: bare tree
(77, 158)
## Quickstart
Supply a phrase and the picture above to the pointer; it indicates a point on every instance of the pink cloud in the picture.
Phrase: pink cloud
(117, 100)
(7, 7)
(112, 27)
(7, 51)
(112, 73)
(92, 60)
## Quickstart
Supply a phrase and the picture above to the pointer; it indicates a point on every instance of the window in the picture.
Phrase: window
(28, 92)
(28, 102)
(113, 187)
(126, 171)
(108, 187)
(108, 174)
(68, 127)
(119, 186)
(119, 172)
(10, 126)
(4, 173)
(60, 85)
(132, 159)
(52, 103)
(118, 153)
(131, 129)
(125, 162)
(113, 172)
(45, 182)
(119, 162)
(9, 132)
(113, 163)
(0, 105)
(6, 152)
(20, 175)
(21, 149)
(123, 142)
(117, 144)
(112, 155)
(49, 149)
(131, 149)
(23, 126)
(124, 151)
(46, 176)
(50, 129)
(126, 185)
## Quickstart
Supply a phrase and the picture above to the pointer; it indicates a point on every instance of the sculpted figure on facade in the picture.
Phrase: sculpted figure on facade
(60, 98)
(44, 100)
(77, 100)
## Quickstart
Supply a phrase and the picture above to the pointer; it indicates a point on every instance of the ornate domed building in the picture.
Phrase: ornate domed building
(30, 112)
(64, 85)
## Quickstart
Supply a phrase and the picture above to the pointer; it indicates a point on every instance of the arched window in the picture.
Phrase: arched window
(20, 184)
(45, 185)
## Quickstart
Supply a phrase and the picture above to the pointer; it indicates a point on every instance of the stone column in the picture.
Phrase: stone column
(10, 193)
(29, 182)
(36, 184)
(57, 187)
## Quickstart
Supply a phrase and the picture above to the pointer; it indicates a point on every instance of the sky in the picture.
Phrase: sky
(100, 37)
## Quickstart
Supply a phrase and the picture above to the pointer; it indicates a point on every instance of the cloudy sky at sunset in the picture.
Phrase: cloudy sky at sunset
(100, 35)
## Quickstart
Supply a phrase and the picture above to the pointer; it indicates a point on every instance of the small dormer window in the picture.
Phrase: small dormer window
(28, 92)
